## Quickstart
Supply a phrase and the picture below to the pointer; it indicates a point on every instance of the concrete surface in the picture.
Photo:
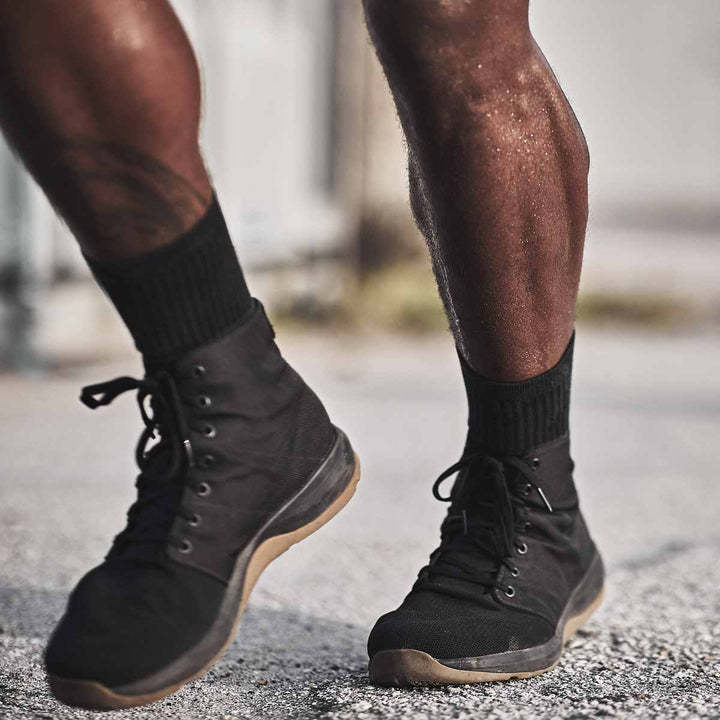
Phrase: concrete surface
(646, 417)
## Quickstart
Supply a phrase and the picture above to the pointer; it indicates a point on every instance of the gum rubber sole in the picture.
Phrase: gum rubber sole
(405, 667)
(96, 696)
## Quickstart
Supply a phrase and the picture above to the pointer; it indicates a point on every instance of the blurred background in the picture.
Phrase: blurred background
(308, 159)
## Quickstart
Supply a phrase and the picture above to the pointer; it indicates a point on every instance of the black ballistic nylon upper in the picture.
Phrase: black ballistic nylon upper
(271, 434)
(507, 564)
(257, 434)
(128, 618)
(453, 618)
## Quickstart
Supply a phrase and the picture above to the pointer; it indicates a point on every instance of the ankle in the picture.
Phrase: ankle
(516, 417)
(248, 385)
(182, 296)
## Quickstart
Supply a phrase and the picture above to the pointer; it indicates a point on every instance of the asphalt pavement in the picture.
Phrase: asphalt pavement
(646, 421)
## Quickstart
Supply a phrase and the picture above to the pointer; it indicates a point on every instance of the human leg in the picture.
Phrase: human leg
(101, 100)
(498, 179)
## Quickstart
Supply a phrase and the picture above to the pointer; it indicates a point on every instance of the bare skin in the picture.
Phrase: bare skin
(102, 103)
(498, 174)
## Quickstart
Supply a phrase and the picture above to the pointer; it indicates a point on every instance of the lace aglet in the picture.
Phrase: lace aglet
(189, 452)
(544, 499)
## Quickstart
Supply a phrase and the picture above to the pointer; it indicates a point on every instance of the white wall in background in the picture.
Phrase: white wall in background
(267, 71)
(644, 79)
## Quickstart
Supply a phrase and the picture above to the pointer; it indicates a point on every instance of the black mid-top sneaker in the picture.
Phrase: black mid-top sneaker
(246, 464)
(515, 576)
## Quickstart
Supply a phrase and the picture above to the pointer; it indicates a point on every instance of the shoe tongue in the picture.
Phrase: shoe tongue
(478, 563)
(474, 499)
(473, 491)
(487, 507)
(155, 365)
(158, 460)
(153, 521)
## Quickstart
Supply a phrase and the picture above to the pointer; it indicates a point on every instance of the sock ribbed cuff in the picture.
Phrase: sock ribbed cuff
(180, 296)
(513, 417)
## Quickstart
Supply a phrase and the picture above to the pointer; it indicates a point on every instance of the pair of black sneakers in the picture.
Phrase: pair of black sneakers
(238, 461)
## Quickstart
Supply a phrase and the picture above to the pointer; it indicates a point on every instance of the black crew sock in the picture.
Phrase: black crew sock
(514, 417)
(181, 296)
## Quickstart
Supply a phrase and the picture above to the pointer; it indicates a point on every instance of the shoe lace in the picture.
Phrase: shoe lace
(163, 466)
(480, 533)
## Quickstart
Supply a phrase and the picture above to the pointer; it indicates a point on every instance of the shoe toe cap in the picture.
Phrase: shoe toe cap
(446, 627)
(125, 621)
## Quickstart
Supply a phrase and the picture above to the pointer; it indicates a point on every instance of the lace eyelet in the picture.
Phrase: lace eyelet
(522, 549)
(514, 571)
(203, 489)
(204, 401)
(186, 547)
(528, 489)
(535, 462)
(209, 431)
(208, 461)
(510, 591)
(195, 520)
(198, 371)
